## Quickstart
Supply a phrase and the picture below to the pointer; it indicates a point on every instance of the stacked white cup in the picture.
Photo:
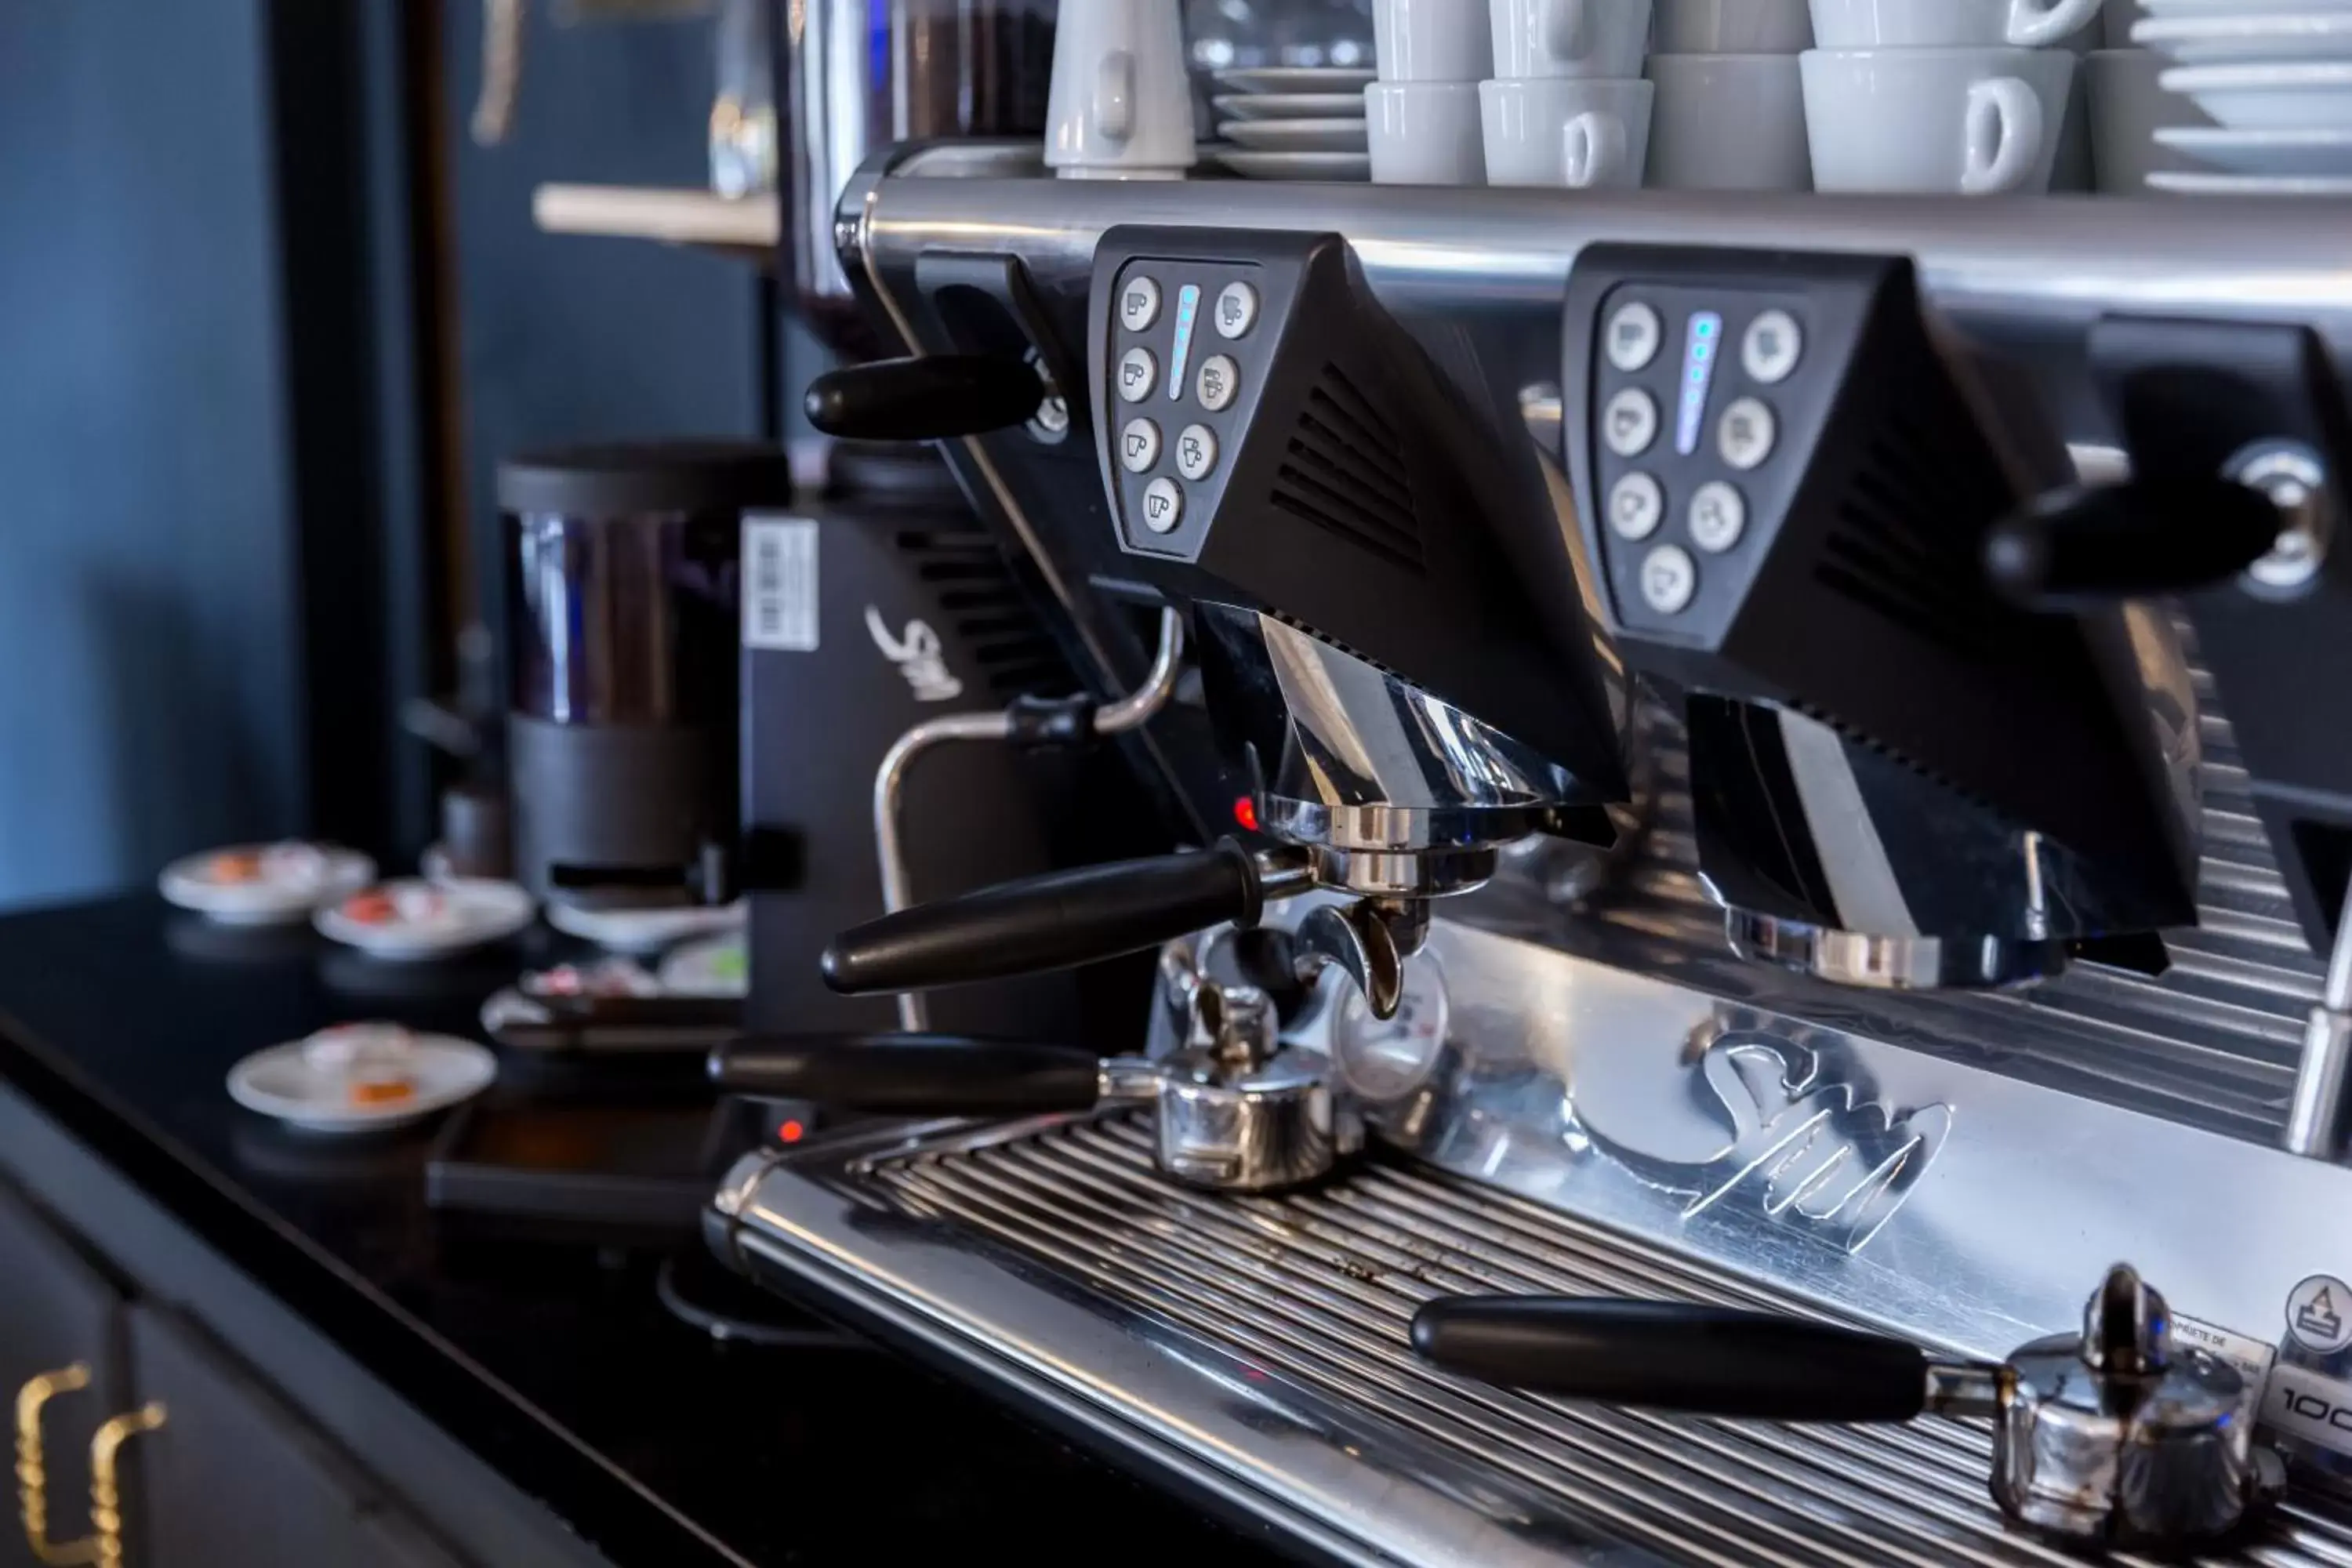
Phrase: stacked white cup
(1422, 116)
(1958, 96)
(1567, 104)
(1730, 113)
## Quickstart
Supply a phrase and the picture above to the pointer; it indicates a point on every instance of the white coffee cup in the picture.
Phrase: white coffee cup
(1584, 133)
(1432, 40)
(1425, 133)
(1977, 122)
(1732, 27)
(1728, 123)
(1569, 38)
(2128, 108)
(1122, 105)
(1946, 23)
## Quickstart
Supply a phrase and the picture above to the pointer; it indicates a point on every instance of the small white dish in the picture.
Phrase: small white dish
(1288, 105)
(1325, 167)
(1296, 79)
(286, 1083)
(644, 930)
(2273, 152)
(410, 920)
(2286, 96)
(2261, 37)
(719, 966)
(1297, 135)
(265, 884)
(2193, 185)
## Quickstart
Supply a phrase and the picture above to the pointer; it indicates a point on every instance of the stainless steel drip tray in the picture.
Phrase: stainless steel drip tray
(1256, 1347)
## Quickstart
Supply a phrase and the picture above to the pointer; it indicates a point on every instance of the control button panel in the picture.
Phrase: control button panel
(1183, 369)
(1691, 391)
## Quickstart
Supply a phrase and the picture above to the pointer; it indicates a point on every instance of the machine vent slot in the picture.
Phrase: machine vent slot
(1340, 473)
(1905, 533)
(983, 619)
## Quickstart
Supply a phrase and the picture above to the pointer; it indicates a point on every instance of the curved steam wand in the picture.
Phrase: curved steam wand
(1130, 712)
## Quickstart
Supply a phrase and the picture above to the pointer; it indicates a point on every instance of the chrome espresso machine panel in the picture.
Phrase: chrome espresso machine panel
(1917, 718)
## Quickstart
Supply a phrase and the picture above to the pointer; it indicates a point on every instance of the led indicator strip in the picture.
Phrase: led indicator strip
(1188, 306)
(1699, 351)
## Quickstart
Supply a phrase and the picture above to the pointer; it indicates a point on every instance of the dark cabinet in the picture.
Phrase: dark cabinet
(61, 1335)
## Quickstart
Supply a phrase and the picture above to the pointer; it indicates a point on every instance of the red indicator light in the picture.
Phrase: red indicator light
(791, 1132)
(1245, 813)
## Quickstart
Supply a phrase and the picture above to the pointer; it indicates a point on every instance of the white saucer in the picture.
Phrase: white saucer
(290, 881)
(280, 1082)
(2198, 184)
(1295, 135)
(1288, 105)
(1296, 79)
(715, 967)
(2289, 33)
(2273, 152)
(461, 915)
(2298, 96)
(1317, 166)
(644, 930)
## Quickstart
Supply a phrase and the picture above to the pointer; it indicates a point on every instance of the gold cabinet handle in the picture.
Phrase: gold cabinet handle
(32, 1470)
(105, 1481)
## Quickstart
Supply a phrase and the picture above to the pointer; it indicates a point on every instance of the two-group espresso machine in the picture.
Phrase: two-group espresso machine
(1770, 985)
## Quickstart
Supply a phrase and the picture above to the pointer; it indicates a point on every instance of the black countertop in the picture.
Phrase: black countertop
(554, 1361)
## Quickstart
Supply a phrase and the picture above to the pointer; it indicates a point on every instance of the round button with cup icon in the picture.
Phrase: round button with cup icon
(1196, 452)
(1138, 446)
(1163, 505)
(1138, 303)
(1138, 370)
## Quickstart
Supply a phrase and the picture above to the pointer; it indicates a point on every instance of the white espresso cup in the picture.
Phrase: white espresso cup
(1582, 133)
(1976, 122)
(1732, 27)
(1425, 133)
(1946, 23)
(1121, 104)
(1728, 123)
(1432, 40)
(1569, 38)
(2128, 108)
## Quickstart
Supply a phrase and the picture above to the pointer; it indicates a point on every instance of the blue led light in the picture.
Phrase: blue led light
(1698, 374)
(1188, 305)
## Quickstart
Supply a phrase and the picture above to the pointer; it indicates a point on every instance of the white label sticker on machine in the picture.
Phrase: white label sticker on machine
(780, 583)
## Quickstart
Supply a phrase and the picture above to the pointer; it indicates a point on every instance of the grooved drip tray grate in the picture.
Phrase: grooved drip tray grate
(1316, 1289)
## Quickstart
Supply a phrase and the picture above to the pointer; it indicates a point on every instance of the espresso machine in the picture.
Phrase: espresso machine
(1864, 594)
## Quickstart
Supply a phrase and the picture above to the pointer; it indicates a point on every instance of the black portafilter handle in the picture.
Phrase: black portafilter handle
(2080, 548)
(1037, 924)
(910, 1075)
(1672, 1355)
(929, 398)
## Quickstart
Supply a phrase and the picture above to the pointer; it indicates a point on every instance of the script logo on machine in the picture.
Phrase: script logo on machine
(1805, 1147)
(919, 657)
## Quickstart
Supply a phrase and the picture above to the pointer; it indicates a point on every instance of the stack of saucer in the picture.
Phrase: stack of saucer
(1293, 122)
(2128, 110)
(2275, 77)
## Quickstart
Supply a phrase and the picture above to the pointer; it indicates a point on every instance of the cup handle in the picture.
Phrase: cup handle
(1593, 149)
(1568, 26)
(1115, 95)
(2003, 132)
(2032, 26)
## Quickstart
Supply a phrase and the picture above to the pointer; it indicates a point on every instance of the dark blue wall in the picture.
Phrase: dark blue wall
(149, 695)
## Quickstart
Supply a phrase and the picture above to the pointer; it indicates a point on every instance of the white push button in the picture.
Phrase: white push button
(1718, 515)
(1771, 349)
(1196, 452)
(1138, 303)
(1137, 372)
(1138, 446)
(1629, 422)
(1746, 435)
(1669, 579)
(1163, 505)
(1221, 383)
(1633, 334)
(1236, 311)
(1636, 507)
